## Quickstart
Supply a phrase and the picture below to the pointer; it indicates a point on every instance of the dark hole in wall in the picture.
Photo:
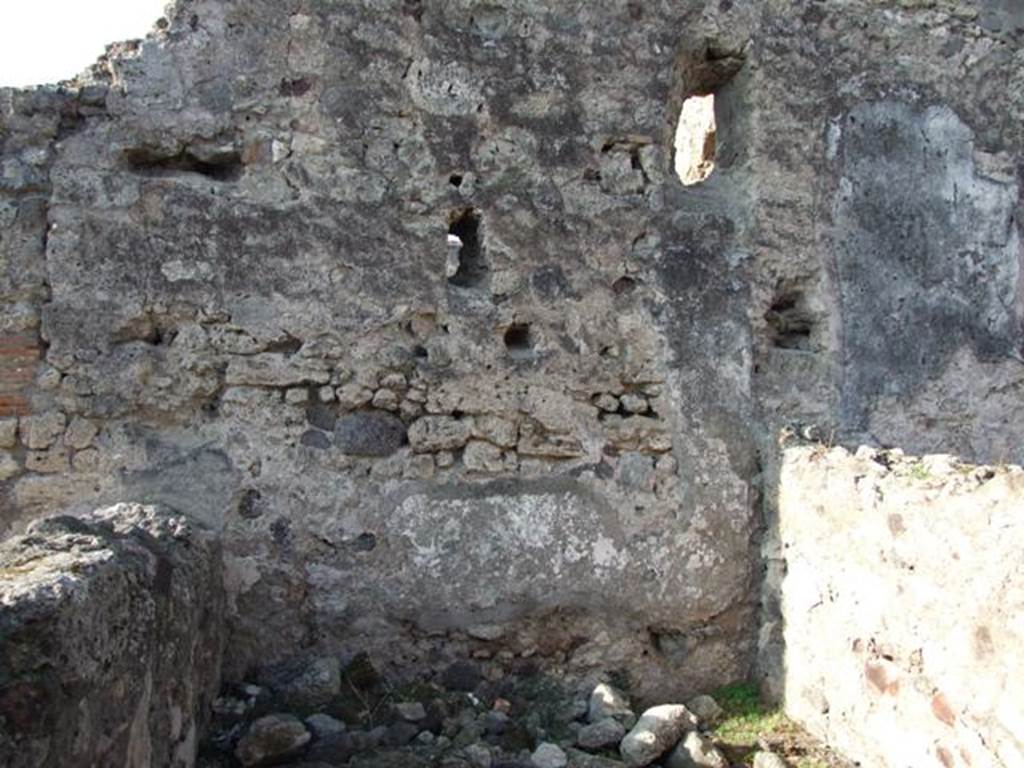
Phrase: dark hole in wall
(623, 285)
(147, 329)
(413, 8)
(222, 167)
(789, 322)
(281, 530)
(465, 231)
(288, 345)
(519, 340)
(158, 336)
(364, 542)
(248, 504)
(298, 87)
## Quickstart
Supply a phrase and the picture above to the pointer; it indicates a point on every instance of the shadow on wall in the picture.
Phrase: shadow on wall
(892, 583)
(926, 262)
(892, 600)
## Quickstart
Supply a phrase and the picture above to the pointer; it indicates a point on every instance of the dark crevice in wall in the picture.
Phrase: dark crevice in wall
(472, 270)
(519, 341)
(790, 324)
(624, 285)
(248, 506)
(413, 8)
(297, 87)
(286, 346)
(223, 167)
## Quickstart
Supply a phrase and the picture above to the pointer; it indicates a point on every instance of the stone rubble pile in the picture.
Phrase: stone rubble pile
(311, 712)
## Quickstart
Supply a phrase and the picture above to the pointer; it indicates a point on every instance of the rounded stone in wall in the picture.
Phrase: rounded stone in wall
(369, 433)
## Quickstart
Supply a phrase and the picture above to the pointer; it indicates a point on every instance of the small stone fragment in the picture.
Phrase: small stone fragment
(50, 461)
(534, 441)
(369, 433)
(696, 751)
(607, 403)
(322, 417)
(412, 711)
(636, 470)
(420, 467)
(86, 461)
(486, 632)
(603, 733)
(39, 432)
(496, 722)
(496, 429)
(478, 756)
(394, 381)
(353, 395)
(400, 734)
(386, 400)
(410, 410)
(9, 467)
(229, 708)
(438, 433)
(296, 395)
(766, 759)
(633, 403)
(502, 705)
(272, 369)
(80, 433)
(336, 748)
(392, 758)
(361, 673)
(416, 395)
(322, 725)
(655, 733)
(481, 456)
(48, 378)
(314, 438)
(548, 755)
(578, 759)
(304, 683)
(574, 710)
(270, 739)
(8, 433)
(706, 709)
(606, 701)
(461, 676)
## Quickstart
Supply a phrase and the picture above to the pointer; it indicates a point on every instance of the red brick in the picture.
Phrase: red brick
(19, 355)
(13, 405)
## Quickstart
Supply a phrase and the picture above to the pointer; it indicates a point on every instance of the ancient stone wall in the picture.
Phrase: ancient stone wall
(900, 589)
(111, 634)
(406, 298)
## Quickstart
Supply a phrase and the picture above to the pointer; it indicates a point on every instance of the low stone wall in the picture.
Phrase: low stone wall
(111, 633)
(901, 588)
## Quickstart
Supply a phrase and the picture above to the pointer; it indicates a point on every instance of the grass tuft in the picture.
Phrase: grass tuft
(746, 717)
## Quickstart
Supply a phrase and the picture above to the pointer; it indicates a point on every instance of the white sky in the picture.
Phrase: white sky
(44, 41)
